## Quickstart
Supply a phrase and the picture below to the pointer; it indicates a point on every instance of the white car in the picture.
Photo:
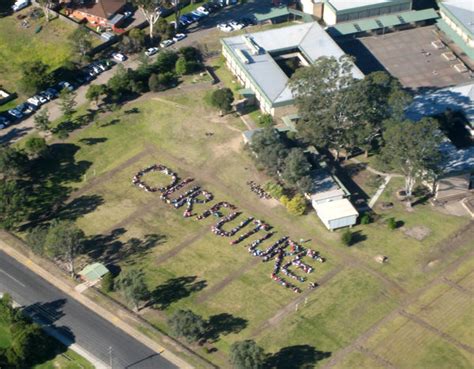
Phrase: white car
(224, 27)
(20, 4)
(35, 100)
(119, 57)
(179, 37)
(236, 25)
(151, 51)
(203, 10)
(166, 43)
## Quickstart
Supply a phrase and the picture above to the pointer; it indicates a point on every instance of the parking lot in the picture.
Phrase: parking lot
(409, 56)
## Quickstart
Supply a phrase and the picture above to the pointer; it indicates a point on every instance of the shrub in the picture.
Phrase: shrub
(365, 219)
(284, 200)
(184, 323)
(181, 66)
(346, 237)
(391, 223)
(297, 205)
(265, 120)
(222, 99)
(274, 189)
(107, 284)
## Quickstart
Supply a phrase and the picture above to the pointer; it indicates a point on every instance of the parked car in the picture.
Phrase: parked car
(25, 108)
(199, 14)
(20, 4)
(179, 37)
(151, 51)
(193, 17)
(246, 21)
(51, 93)
(42, 98)
(119, 57)
(236, 25)
(63, 84)
(15, 113)
(166, 43)
(95, 67)
(2, 126)
(4, 121)
(212, 6)
(203, 10)
(34, 100)
(225, 27)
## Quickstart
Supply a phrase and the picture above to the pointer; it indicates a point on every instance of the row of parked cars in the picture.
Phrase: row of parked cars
(33, 103)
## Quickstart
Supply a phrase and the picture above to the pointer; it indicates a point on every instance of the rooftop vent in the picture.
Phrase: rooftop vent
(252, 45)
(244, 58)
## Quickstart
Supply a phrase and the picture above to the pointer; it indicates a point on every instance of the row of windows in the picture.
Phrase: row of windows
(373, 12)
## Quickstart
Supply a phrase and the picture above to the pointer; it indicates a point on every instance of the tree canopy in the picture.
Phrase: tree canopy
(413, 148)
(132, 284)
(35, 76)
(184, 323)
(223, 99)
(246, 355)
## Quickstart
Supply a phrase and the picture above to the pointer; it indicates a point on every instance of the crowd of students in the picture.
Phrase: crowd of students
(280, 249)
(256, 188)
(137, 178)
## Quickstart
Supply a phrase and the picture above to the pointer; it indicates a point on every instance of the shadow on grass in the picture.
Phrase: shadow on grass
(295, 357)
(109, 249)
(80, 206)
(110, 123)
(223, 324)
(175, 289)
(93, 140)
(357, 237)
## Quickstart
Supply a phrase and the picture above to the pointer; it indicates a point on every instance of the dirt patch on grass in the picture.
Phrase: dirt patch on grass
(419, 233)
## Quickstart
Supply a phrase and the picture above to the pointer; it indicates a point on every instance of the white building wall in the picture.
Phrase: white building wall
(329, 16)
(342, 222)
(466, 38)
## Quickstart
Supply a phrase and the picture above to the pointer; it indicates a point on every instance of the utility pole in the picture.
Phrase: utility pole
(110, 357)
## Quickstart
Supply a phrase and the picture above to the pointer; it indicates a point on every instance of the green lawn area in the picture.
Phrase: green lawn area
(187, 267)
(19, 45)
(66, 360)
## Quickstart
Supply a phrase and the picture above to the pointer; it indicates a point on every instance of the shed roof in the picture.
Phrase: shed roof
(336, 209)
(342, 6)
(93, 272)
(275, 12)
(324, 186)
(102, 8)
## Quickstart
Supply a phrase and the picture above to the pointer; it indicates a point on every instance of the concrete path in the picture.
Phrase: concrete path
(380, 190)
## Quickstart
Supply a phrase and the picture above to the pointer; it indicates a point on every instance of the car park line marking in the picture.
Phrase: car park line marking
(11, 277)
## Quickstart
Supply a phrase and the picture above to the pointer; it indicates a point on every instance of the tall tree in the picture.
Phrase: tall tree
(151, 10)
(246, 355)
(41, 119)
(13, 203)
(81, 42)
(36, 146)
(67, 102)
(64, 241)
(270, 150)
(133, 286)
(13, 162)
(373, 100)
(45, 5)
(322, 96)
(222, 99)
(35, 76)
(184, 323)
(413, 149)
(94, 93)
(296, 165)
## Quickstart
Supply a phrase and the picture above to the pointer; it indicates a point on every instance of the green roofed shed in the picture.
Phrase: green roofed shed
(274, 13)
(93, 272)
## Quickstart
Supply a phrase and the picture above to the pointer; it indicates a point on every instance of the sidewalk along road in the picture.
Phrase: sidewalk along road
(74, 323)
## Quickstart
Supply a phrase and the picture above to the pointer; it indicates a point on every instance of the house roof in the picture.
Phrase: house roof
(462, 11)
(309, 38)
(94, 271)
(102, 8)
(336, 209)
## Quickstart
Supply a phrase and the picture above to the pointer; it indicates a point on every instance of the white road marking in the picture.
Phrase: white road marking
(16, 280)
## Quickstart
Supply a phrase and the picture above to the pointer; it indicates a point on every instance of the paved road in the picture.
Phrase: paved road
(74, 321)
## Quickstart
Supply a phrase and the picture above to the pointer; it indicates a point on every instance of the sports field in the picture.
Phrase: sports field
(363, 315)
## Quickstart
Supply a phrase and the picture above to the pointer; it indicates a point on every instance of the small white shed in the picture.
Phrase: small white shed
(337, 213)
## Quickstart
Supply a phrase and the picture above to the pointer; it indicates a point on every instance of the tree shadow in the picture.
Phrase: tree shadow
(175, 289)
(80, 206)
(110, 250)
(295, 357)
(93, 140)
(223, 324)
(110, 123)
(357, 237)
(46, 312)
(132, 111)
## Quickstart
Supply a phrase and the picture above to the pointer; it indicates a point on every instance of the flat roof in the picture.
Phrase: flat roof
(462, 10)
(324, 186)
(344, 5)
(336, 209)
(311, 40)
(275, 12)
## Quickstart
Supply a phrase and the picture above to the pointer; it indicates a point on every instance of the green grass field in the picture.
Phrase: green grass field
(188, 267)
(19, 45)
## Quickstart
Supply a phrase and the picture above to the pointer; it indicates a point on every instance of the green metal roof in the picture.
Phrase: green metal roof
(275, 12)
(443, 26)
(357, 8)
(390, 20)
(93, 272)
(246, 92)
(462, 18)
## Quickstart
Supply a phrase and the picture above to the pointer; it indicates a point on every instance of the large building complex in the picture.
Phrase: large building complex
(458, 23)
(337, 11)
(264, 61)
